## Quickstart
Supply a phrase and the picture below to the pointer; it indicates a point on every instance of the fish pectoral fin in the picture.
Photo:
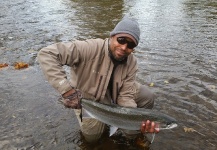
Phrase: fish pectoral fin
(153, 136)
(112, 130)
(85, 114)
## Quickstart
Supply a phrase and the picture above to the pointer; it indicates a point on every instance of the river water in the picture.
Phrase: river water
(177, 56)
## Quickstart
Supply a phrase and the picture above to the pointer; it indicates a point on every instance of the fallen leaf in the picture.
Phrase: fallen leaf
(212, 87)
(166, 81)
(20, 65)
(192, 130)
(3, 65)
(152, 84)
(188, 129)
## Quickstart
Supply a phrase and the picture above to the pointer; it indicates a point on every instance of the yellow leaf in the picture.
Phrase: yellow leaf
(152, 84)
(188, 129)
(20, 65)
(212, 87)
(166, 82)
(3, 65)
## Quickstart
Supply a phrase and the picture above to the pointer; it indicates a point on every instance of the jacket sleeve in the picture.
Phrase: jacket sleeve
(127, 91)
(52, 59)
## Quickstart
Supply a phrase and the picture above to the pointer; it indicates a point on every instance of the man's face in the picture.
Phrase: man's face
(121, 46)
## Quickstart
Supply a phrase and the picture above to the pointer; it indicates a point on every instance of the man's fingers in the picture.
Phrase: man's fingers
(157, 128)
(143, 125)
(149, 127)
(69, 104)
(152, 127)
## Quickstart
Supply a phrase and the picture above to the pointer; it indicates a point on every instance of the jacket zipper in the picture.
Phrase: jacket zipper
(97, 90)
(117, 92)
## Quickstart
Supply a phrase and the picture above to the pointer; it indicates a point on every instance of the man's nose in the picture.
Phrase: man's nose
(124, 46)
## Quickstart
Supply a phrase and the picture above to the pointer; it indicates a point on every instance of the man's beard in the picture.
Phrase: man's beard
(114, 58)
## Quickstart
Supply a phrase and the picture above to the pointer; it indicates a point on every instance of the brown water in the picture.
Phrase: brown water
(177, 53)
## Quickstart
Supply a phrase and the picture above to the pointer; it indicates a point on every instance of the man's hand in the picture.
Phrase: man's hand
(71, 99)
(149, 127)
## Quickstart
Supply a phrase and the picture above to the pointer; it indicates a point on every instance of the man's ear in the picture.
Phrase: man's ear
(111, 37)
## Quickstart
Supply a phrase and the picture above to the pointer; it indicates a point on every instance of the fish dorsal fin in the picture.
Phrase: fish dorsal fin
(112, 130)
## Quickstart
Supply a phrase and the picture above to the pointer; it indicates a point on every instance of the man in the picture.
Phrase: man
(101, 70)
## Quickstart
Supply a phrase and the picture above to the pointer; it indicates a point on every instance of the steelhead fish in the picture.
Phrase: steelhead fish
(124, 117)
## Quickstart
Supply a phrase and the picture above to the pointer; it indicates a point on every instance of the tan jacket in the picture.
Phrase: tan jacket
(91, 68)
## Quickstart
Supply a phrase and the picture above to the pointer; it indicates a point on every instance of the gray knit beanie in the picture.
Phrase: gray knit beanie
(127, 26)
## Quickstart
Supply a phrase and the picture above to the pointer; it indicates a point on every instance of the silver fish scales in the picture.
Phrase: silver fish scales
(124, 117)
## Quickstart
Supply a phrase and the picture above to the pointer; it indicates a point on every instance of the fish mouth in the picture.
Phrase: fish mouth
(172, 125)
